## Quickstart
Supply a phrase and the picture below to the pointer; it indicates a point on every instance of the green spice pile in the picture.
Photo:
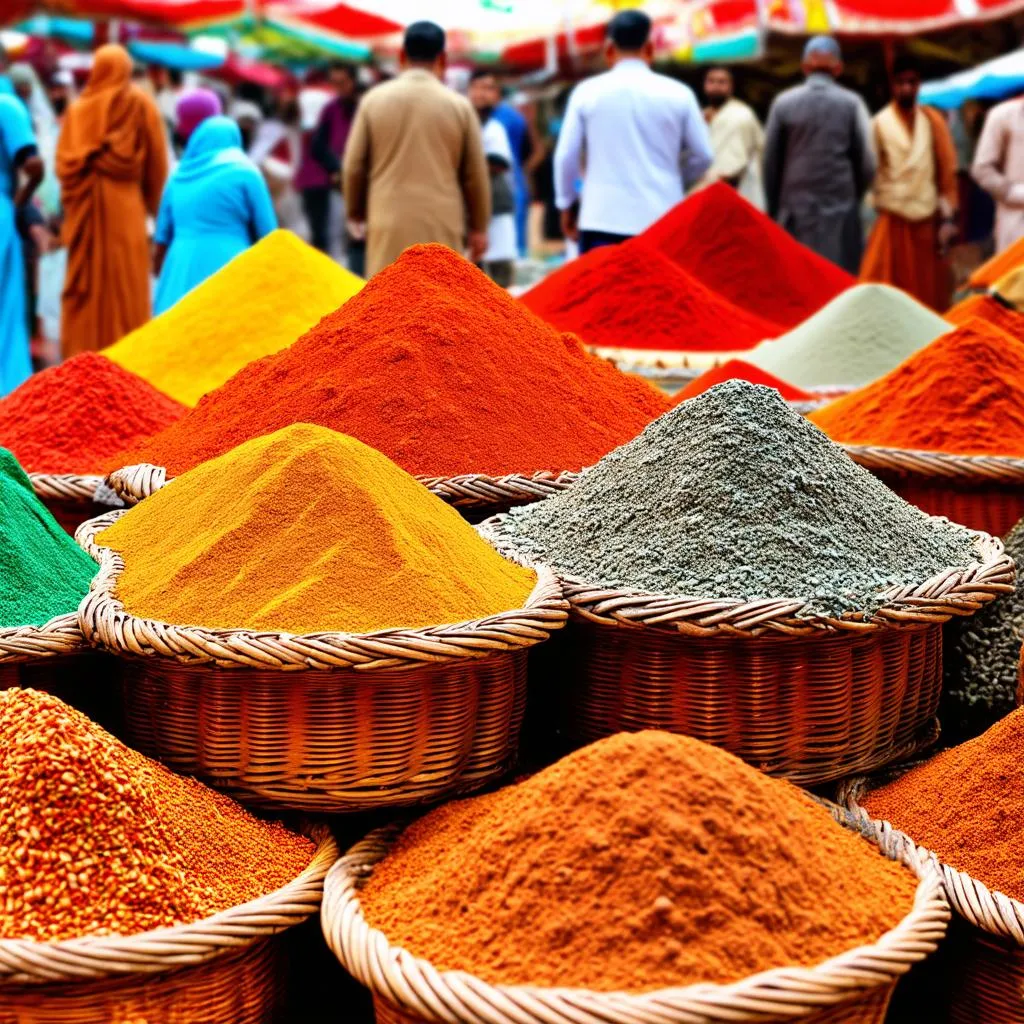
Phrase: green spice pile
(96, 839)
(43, 573)
(734, 495)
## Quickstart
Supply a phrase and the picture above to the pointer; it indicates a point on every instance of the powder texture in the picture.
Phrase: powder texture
(302, 531)
(986, 307)
(96, 839)
(963, 393)
(738, 369)
(438, 368)
(74, 417)
(857, 337)
(43, 573)
(998, 266)
(631, 296)
(733, 494)
(257, 304)
(967, 805)
(644, 861)
(746, 257)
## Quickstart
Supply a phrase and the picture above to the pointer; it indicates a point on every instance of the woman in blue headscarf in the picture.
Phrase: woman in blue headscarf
(214, 207)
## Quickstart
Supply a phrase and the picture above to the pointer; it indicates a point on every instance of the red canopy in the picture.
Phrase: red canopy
(909, 17)
(172, 13)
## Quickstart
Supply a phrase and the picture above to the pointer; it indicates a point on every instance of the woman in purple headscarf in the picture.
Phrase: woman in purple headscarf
(194, 107)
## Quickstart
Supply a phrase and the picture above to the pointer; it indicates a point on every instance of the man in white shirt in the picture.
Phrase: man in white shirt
(644, 138)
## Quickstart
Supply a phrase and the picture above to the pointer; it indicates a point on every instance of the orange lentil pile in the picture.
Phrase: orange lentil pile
(96, 839)
(644, 861)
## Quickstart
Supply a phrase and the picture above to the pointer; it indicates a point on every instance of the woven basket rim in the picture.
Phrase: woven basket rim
(28, 962)
(61, 635)
(105, 622)
(978, 469)
(951, 592)
(441, 997)
(80, 487)
(987, 909)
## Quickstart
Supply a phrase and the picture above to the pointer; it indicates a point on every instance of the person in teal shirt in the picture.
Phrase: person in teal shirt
(214, 207)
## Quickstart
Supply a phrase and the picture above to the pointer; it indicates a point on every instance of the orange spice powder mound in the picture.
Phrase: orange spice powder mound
(1002, 263)
(985, 307)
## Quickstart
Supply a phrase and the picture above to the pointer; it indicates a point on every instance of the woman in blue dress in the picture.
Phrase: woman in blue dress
(214, 207)
(18, 157)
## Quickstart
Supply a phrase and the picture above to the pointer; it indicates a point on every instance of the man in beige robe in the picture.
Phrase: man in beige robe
(999, 168)
(737, 138)
(414, 166)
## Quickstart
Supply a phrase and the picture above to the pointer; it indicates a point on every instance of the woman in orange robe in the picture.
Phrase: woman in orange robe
(112, 162)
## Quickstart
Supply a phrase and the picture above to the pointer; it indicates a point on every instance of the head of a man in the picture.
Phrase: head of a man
(822, 54)
(717, 86)
(629, 36)
(484, 92)
(423, 47)
(906, 81)
(342, 79)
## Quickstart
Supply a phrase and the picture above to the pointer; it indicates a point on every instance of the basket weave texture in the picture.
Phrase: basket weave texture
(60, 637)
(984, 982)
(71, 498)
(467, 491)
(853, 988)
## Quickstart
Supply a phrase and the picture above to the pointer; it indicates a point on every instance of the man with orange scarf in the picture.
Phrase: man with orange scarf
(112, 162)
(915, 195)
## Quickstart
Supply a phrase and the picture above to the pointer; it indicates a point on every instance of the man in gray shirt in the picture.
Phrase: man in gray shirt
(818, 159)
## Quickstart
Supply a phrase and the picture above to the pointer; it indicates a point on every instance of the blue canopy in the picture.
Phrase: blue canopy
(174, 55)
(992, 80)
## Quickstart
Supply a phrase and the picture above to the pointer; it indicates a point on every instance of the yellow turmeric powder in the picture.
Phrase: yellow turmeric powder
(256, 305)
(302, 531)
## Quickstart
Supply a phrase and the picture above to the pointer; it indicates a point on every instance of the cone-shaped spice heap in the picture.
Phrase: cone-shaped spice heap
(438, 368)
(96, 839)
(733, 494)
(964, 393)
(75, 417)
(644, 861)
(738, 369)
(986, 307)
(302, 531)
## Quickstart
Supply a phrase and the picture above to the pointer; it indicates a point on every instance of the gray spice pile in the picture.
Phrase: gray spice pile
(732, 494)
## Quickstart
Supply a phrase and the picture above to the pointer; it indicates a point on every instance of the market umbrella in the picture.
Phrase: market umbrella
(991, 80)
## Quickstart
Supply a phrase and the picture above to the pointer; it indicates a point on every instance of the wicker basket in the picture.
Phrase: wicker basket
(71, 499)
(853, 988)
(980, 980)
(810, 699)
(326, 722)
(475, 495)
(983, 492)
(226, 969)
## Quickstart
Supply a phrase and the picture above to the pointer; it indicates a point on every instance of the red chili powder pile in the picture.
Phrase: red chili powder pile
(967, 805)
(963, 393)
(746, 257)
(631, 296)
(74, 417)
(738, 369)
(987, 308)
(644, 861)
(438, 368)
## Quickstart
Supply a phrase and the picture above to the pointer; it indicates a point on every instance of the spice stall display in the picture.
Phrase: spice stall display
(966, 806)
(735, 576)
(65, 423)
(131, 893)
(442, 371)
(990, 308)
(739, 369)
(860, 335)
(305, 625)
(946, 427)
(257, 304)
(647, 876)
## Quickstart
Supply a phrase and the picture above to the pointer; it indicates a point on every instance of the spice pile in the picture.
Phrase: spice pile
(633, 297)
(964, 393)
(644, 861)
(998, 266)
(717, 236)
(438, 368)
(75, 417)
(302, 531)
(967, 805)
(734, 495)
(96, 839)
(738, 369)
(43, 573)
(257, 304)
(985, 307)
(856, 338)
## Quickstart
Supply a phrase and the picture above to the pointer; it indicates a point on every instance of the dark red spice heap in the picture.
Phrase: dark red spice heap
(739, 369)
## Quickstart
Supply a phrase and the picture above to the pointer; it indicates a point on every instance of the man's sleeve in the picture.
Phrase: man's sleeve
(990, 157)
(568, 158)
(474, 175)
(774, 157)
(356, 170)
(696, 143)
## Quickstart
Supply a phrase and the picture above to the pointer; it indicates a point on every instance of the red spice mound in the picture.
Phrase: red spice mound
(74, 417)
(963, 393)
(738, 369)
(631, 296)
(967, 805)
(987, 308)
(746, 257)
(644, 861)
(438, 368)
